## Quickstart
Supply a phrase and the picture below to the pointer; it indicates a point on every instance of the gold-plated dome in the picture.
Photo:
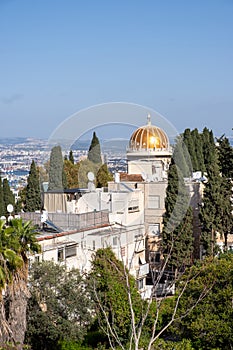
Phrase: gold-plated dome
(149, 137)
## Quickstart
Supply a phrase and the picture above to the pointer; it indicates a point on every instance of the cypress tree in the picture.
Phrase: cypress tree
(182, 158)
(177, 233)
(8, 196)
(71, 157)
(56, 169)
(226, 221)
(2, 206)
(210, 213)
(33, 195)
(189, 142)
(94, 152)
(198, 146)
(225, 152)
(216, 213)
(209, 148)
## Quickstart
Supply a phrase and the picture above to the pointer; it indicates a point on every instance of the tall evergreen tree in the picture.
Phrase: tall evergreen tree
(225, 152)
(215, 215)
(189, 142)
(33, 195)
(94, 152)
(210, 213)
(2, 206)
(56, 170)
(226, 221)
(182, 158)
(198, 146)
(209, 148)
(8, 195)
(71, 157)
(177, 234)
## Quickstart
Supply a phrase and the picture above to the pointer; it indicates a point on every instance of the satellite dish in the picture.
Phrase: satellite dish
(10, 217)
(91, 176)
(10, 208)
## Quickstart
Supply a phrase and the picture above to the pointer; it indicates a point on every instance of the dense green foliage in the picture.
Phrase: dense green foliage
(110, 291)
(84, 167)
(94, 152)
(6, 197)
(2, 207)
(71, 171)
(181, 157)
(177, 234)
(103, 176)
(225, 152)
(210, 214)
(76, 174)
(71, 156)
(209, 325)
(217, 162)
(33, 193)
(59, 308)
(57, 178)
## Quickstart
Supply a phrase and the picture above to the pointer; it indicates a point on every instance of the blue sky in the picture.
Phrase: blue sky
(58, 57)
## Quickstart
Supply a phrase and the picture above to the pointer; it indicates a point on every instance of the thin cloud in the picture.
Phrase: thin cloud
(7, 100)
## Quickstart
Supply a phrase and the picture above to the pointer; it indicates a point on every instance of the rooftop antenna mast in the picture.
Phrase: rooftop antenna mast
(148, 119)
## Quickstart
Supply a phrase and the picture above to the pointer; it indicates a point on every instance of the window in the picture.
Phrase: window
(140, 284)
(133, 206)
(93, 245)
(133, 209)
(153, 202)
(70, 251)
(60, 254)
(114, 241)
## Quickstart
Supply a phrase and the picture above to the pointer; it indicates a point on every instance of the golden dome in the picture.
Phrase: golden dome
(149, 137)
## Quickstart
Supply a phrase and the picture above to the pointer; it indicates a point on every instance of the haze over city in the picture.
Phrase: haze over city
(58, 57)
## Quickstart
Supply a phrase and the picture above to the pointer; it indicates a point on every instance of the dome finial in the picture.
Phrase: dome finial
(148, 119)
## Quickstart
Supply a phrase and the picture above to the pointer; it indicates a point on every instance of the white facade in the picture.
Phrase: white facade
(77, 249)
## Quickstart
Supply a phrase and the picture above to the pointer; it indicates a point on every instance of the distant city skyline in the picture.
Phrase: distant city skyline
(58, 58)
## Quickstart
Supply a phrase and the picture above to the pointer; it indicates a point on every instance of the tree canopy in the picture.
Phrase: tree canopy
(209, 325)
(33, 193)
(59, 309)
(57, 179)
(103, 176)
(94, 152)
(177, 234)
(111, 287)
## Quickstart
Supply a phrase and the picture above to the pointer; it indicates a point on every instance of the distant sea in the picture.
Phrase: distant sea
(13, 140)
(20, 172)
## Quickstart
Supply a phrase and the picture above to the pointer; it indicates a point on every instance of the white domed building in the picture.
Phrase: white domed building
(149, 152)
(148, 156)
